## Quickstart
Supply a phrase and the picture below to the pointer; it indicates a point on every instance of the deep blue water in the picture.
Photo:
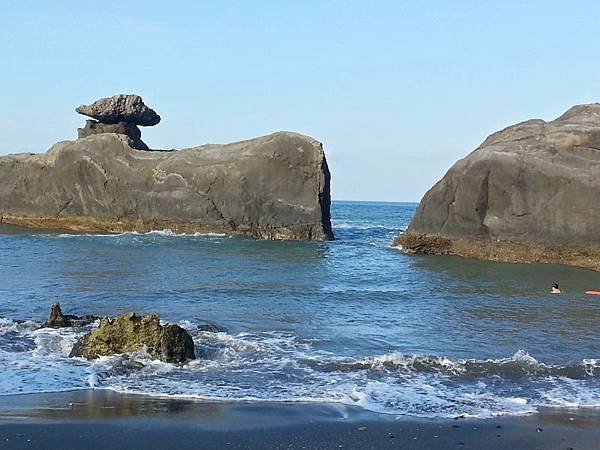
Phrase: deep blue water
(352, 321)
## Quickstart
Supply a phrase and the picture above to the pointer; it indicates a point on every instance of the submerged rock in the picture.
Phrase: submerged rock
(130, 333)
(210, 328)
(529, 193)
(57, 319)
(121, 108)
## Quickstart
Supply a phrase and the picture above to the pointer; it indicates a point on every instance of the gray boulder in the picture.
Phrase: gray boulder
(127, 128)
(529, 193)
(272, 187)
(120, 108)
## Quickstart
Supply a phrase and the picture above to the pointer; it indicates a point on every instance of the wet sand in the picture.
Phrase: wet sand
(103, 419)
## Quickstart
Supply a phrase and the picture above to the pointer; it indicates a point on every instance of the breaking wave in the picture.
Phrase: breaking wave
(165, 233)
(277, 366)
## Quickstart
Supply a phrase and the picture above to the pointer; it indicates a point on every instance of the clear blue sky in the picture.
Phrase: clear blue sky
(396, 91)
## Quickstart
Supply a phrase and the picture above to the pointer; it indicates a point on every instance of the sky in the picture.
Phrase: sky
(396, 91)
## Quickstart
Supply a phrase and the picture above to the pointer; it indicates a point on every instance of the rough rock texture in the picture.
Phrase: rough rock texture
(121, 108)
(57, 319)
(529, 193)
(127, 128)
(130, 333)
(272, 187)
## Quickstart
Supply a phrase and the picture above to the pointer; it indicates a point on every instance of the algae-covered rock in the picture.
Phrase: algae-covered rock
(129, 333)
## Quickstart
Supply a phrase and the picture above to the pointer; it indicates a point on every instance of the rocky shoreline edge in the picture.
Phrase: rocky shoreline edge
(83, 224)
(498, 250)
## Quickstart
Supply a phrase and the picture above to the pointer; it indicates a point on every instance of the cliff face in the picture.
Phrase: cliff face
(529, 193)
(272, 187)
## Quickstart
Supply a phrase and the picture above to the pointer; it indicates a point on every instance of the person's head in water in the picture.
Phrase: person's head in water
(556, 289)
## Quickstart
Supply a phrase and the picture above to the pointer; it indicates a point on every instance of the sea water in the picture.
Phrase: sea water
(353, 321)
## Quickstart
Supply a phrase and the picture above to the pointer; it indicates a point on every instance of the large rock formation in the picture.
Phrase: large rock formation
(529, 193)
(272, 187)
(130, 333)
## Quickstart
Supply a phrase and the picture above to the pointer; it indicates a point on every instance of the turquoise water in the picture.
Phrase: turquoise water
(352, 321)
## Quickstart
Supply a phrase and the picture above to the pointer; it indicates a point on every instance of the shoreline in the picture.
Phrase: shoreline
(84, 224)
(99, 419)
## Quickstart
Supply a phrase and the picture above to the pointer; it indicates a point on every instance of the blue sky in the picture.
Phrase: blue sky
(396, 91)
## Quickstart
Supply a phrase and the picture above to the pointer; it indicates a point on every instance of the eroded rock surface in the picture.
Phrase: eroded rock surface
(131, 333)
(128, 129)
(529, 193)
(121, 108)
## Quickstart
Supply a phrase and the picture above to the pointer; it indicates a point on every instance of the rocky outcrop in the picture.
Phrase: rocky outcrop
(57, 319)
(121, 108)
(131, 333)
(529, 193)
(120, 114)
(272, 187)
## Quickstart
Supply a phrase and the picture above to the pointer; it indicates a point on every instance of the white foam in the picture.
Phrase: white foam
(165, 232)
(358, 226)
(278, 367)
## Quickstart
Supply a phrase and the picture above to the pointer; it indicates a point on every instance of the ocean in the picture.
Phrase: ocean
(353, 321)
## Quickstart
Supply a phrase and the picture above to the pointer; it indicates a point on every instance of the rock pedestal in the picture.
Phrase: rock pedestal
(127, 128)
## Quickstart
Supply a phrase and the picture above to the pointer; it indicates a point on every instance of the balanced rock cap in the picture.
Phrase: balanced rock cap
(121, 108)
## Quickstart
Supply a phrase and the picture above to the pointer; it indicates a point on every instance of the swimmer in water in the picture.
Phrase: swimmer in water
(555, 289)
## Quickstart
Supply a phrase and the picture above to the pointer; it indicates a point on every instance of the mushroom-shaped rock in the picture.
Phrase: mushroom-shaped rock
(121, 108)
(130, 332)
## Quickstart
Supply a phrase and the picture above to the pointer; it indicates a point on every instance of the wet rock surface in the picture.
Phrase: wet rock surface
(131, 333)
(57, 319)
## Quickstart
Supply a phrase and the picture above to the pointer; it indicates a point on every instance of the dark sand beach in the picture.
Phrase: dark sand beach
(104, 419)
